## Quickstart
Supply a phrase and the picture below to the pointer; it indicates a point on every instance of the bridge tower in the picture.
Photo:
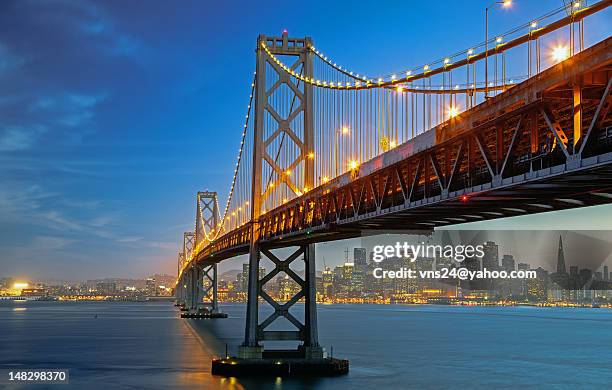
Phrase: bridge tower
(202, 279)
(189, 281)
(296, 125)
(179, 292)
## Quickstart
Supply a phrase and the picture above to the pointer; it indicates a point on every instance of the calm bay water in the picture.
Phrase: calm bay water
(145, 345)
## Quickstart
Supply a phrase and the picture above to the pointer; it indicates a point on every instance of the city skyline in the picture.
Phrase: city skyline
(354, 281)
(99, 170)
(598, 245)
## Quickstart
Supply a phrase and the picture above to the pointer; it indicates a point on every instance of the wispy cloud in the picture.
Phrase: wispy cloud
(17, 138)
(51, 242)
(60, 114)
(111, 40)
(9, 60)
(130, 239)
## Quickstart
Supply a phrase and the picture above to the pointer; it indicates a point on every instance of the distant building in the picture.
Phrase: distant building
(537, 289)
(573, 270)
(243, 278)
(328, 283)
(523, 267)
(33, 292)
(287, 288)
(508, 263)
(150, 287)
(490, 260)
(560, 258)
(106, 288)
(360, 256)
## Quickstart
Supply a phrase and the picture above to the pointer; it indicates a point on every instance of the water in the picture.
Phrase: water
(145, 345)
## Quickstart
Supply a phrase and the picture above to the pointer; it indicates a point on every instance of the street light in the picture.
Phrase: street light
(504, 4)
(560, 53)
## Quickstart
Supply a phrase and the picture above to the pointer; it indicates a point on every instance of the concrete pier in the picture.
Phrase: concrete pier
(203, 314)
(281, 366)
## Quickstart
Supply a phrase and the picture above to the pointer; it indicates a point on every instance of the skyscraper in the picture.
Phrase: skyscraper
(508, 263)
(360, 259)
(151, 287)
(243, 279)
(606, 275)
(360, 256)
(561, 258)
(328, 282)
(490, 260)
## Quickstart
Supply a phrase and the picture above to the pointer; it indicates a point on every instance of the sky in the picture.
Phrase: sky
(114, 114)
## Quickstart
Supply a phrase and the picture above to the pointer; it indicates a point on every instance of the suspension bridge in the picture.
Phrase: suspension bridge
(518, 124)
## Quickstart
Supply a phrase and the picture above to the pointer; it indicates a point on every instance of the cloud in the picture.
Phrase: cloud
(111, 40)
(68, 109)
(61, 222)
(101, 221)
(161, 245)
(58, 114)
(17, 200)
(130, 239)
(14, 139)
(51, 242)
(9, 60)
(53, 211)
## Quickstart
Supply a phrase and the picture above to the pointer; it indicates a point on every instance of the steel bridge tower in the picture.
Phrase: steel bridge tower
(269, 78)
(199, 295)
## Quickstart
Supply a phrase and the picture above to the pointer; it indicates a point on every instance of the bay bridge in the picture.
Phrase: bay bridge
(515, 125)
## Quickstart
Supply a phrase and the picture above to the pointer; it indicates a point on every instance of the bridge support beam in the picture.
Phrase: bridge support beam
(305, 332)
(192, 287)
(203, 294)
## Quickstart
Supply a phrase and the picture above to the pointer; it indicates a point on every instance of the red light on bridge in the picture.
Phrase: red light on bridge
(464, 198)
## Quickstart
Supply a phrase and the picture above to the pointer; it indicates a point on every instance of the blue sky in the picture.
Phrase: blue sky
(113, 114)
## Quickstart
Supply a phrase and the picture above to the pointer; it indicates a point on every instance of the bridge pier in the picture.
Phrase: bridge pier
(309, 357)
(179, 294)
(203, 296)
(306, 332)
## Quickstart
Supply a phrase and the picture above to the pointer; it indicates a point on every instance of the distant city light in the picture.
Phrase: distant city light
(20, 285)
